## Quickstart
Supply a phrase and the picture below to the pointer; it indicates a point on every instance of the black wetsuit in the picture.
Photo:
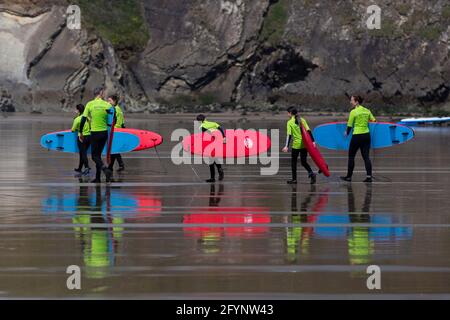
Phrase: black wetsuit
(83, 148)
(359, 142)
(212, 166)
(98, 142)
(303, 158)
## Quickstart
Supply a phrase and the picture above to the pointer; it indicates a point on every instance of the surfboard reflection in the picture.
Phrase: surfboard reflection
(210, 225)
(89, 211)
(361, 238)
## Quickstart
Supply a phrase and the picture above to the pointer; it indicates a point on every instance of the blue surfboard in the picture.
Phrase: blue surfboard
(66, 141)
(423, 121)
(383, 135)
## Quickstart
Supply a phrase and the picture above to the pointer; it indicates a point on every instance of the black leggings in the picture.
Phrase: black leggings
(98, 141)
(359, 141)
(83, 148)
(213, 171)
(115, 157)
(303, 155)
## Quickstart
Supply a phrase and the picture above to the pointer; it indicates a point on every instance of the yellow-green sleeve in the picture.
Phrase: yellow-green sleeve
(289, 130)
(76, 124)
(372, 118)
(351, 119)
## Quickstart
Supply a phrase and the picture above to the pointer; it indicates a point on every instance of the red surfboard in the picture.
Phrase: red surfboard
(111, 124)
(240, 143)
(148, 139)
(314, 152)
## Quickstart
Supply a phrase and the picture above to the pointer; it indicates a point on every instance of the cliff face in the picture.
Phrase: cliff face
(171, 54)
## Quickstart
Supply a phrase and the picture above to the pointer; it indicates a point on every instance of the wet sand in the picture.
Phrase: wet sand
(159, 232)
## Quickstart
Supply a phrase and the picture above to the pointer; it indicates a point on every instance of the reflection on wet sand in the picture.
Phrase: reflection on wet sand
(211, 224)
(99, 244)
(298, 238)
(90, 210)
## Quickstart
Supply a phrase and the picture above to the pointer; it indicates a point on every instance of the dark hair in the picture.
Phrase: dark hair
(98, 91)
(294, 112)
(201, 118)
(80, 108)
(358, 99)
(114, 98)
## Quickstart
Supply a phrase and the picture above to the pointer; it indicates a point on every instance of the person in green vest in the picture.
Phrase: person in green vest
(83, 146)
(298, 148)
(120, 123)
(212, 126)
(97, 112)
(359, 120)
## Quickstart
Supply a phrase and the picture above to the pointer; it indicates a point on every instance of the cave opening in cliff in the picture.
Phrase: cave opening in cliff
(289, 68)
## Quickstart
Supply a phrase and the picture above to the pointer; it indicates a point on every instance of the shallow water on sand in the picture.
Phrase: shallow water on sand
(160, 232)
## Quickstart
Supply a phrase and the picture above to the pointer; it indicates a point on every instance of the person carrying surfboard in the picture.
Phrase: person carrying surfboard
(212, 126)
(83, 146)
(120, 123)
(294, 135)
(359, 120)
(97, 111)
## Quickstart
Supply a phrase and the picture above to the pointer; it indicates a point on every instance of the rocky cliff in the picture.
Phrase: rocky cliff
(164, 55)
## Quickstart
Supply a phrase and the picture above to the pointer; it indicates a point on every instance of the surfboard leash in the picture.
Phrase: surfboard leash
(160, 161)
(382, 178)
(195, 172)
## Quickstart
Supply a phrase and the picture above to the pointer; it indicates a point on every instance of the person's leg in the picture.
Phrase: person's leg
(304, 161)
(305, 164)
(103, 141)
(120, 161)
(80, 153)
(98, 141)
(86, 145)
(220, 170)
(113, 160)
(365, 152)
(212, 171)
(294, 157)
(96, 151)
(354, 146)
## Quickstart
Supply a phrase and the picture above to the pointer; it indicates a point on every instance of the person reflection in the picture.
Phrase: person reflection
(99, 243)
(298, 237)
(360, 247)
(210, 236)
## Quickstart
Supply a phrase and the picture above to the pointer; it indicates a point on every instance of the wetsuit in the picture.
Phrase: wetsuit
(82, 146)
(120, 123)
(97, 111)
(212, 126)
(359, 121)
(294, 134)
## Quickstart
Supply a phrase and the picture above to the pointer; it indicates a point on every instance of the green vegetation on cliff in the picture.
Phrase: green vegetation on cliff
(119, 21)
(275, 22)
